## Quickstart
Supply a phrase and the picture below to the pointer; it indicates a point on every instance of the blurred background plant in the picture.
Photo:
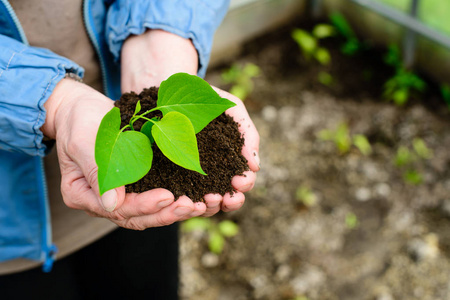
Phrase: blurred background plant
(241, 79)
(344, 141)
(217, 232)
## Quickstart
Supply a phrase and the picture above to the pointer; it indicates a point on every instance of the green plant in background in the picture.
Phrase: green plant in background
(306, 196)
(344, 141)
(325, 78)
(351, 220)
(445, 92)
(241, 79)
(217, 232)
(404, 82)
(408, 160)
(351, 45)
(124, 155)
(309, 42)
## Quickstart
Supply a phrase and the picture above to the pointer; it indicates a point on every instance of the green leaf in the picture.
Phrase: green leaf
(351, 220)
(216, 242)
(193, 97)
(147, 129)
(194, 224)
(413, 177)
(239, 91)
(342, 26)
(322, 56)
(361, 142)
(325, 78)
(228, 228)
(138, 108)
(322, 31)
(121, 157)
(421, 149)
(305, 41)
(175, 137)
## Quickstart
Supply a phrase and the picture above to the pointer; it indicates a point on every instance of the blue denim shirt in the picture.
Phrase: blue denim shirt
(28, 76)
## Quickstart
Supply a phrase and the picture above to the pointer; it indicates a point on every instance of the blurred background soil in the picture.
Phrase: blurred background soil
(366, 231)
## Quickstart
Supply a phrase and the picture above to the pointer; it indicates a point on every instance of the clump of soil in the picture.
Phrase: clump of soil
(219, 143)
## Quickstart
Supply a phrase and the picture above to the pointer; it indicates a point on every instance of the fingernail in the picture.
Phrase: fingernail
(256, 157)
(109, 200)
(182, 210)
(165, 203)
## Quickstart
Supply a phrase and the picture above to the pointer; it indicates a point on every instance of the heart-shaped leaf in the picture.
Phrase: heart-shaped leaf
(175, 137)
(121, 157)
(193, 97)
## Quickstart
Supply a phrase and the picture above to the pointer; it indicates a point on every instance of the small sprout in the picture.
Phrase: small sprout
(403, 157)
(241, 78)
(351, 220)
(216, 242)
(421, 149)
(306, 196)
(343, 140)
(351, 45)
(325, 78)
(322, 31)
(362, 143)
(404, 82)
(217, 232)
(413, 177)
(228, 228)
(309, 42)
(196, 224)
(409, 160)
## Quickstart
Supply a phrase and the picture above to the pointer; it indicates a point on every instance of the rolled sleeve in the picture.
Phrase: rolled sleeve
(195, 20)
(28, 76)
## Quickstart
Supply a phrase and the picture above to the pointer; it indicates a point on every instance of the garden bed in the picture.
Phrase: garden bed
(321, 224)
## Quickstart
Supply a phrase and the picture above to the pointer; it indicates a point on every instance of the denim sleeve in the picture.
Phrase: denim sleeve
(28, 76)
(193, 19)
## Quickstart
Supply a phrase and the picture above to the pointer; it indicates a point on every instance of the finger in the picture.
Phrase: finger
(173, 213)
(244, 183)
(248, 130)
(212, 202)
(233, 202)
(199, 209)
(142, 204)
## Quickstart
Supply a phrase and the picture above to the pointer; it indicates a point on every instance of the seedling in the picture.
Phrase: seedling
(217, 232)
(351, 220)
(306, 196)
(351, 45)
(344, 141)
(408, 160)
(241, 78)
(404, 82)
(124, 155)
(325, 78)
(309, 42)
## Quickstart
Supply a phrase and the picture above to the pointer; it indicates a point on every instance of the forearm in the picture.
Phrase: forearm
(152, 57)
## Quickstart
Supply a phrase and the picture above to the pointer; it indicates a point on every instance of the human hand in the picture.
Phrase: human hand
(74, 113)
(152, 57)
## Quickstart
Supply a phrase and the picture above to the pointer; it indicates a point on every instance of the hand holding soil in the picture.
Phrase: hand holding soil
(74, 113)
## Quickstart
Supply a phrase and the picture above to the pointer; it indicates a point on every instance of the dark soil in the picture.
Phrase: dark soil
(219, 144)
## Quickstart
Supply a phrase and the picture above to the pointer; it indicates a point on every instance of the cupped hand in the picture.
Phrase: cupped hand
(152, 57)
(74, 113)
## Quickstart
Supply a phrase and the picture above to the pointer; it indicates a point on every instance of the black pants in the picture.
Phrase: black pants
(125, 264)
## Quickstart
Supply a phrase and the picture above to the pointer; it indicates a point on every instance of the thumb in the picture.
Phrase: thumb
(109, 200)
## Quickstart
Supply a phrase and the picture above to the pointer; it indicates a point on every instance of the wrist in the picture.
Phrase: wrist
(152, 57)
(57, 105)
